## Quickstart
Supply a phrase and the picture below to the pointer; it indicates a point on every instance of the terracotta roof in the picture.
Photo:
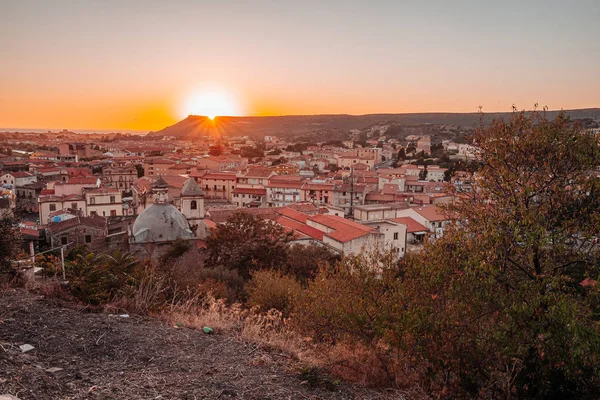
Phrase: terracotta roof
(97, 222)
(431, 213)
(300, 227)
(218, 175)
(159, 161)
(287, 185)
(83, 180)
(258, 172)
(255, 191)
(343, 230)
(390, 188)
(412, 226)
(318, 186)
(293, 214)
(30, 232)
(20, 174)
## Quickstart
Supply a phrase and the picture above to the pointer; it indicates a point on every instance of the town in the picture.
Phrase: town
(104, 191)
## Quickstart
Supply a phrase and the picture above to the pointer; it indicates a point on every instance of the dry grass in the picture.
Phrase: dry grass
(269, 329)
(349, 362)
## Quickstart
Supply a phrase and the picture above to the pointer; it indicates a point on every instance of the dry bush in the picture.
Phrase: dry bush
(149, 296)
(269, 289)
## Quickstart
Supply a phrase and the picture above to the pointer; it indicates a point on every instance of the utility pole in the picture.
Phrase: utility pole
(350, 214)
(62, 261)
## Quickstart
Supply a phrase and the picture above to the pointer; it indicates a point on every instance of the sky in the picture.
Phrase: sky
(145, 64)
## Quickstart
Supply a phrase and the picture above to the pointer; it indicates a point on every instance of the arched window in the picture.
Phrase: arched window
(193, 205)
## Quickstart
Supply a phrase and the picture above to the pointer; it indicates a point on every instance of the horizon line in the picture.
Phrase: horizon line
(138, 131)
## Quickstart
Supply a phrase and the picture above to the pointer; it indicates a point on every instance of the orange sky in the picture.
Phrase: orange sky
(132, 65)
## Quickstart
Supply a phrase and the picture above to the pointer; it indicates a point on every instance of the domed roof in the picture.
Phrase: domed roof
(161, 223)
(191, 188)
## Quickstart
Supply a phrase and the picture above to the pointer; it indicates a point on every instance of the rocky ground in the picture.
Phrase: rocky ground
(81, 355)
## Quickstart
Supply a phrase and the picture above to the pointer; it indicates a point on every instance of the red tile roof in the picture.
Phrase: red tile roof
(97, 222)
(431, 213)
(255, 191)
(343, 230)
(412, 226)
(300, 227)
(293, 214)
(83, 180)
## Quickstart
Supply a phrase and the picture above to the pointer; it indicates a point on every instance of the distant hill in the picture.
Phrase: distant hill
(335, 126)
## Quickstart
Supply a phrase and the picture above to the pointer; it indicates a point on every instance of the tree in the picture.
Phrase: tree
(507, 298)
(423, 173)
(401, 154)
(216, 150)
(140, 170)
(304, 261)
(10, 238)
(247, 243)
(506, 303)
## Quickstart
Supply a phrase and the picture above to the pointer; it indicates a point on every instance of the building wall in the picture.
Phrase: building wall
(394, 236)
(89, 236)
(48, 207)
(101, 204)
(217, 188)
(121, 179)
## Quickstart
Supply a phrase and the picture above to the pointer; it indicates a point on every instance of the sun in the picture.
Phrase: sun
(213, 103)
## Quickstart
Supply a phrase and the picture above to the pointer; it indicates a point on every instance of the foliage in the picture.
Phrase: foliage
(177, 249)
(505, 304)
(526, 238)
(10, 239)
(252, 152)
(297, 147)
(98, 278)
(270, 289)
(140, 170)
(423, 174)
(215, 150)
(247, 243)
(303, 262)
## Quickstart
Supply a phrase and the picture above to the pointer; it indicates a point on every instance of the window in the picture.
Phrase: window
(88, 238)
(74, 206)
(92, 200)
(223, 187)
(104, 213)
(113, 213)
(193, 205)
(52, 207)
(64, 240)
(215, 186)
(112, 199)
(395, 235)
(93, 213)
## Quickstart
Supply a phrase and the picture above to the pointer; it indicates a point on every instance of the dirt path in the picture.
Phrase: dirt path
(104, 356)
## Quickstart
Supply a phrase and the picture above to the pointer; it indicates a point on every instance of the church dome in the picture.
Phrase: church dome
(161, 223)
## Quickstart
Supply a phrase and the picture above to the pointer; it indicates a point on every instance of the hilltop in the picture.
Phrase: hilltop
(334, 126)
(81, 355)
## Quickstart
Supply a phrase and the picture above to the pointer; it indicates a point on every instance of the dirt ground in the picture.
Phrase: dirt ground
(103, 356)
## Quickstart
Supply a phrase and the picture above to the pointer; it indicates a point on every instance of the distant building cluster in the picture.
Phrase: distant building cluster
(129, 192)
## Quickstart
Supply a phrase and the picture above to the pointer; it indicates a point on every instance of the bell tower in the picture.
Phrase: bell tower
(192, 206)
